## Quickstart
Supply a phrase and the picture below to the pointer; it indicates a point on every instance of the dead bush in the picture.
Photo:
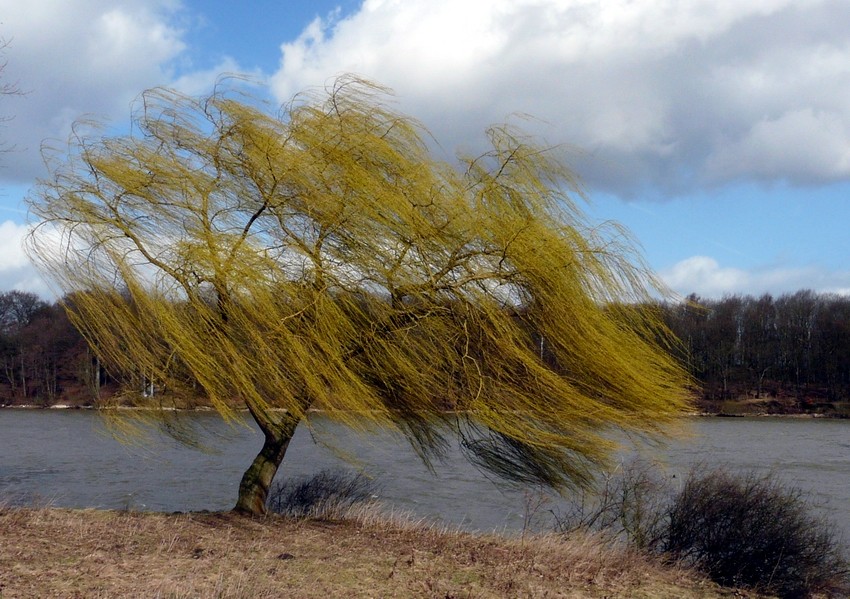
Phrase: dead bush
(752, 531)
(322, 495)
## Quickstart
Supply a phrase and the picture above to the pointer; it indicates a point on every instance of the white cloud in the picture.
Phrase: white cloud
(198, 83)
(800, 144)
(660, 93)
(78, 57)
(16, 272)
(704, 276)
(11, 246)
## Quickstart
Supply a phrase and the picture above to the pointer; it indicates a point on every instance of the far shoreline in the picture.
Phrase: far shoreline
(210, 410)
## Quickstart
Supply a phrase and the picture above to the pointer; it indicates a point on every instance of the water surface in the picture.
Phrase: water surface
(67, 458)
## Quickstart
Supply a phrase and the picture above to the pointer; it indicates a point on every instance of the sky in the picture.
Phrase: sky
(716, 131)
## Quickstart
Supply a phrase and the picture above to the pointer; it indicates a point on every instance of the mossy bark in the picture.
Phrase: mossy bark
(255, 484)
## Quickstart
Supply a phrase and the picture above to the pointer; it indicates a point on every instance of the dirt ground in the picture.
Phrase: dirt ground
(89, 553)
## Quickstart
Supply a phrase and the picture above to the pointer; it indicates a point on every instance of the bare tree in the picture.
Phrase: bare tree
(7, 88)
(323, 258)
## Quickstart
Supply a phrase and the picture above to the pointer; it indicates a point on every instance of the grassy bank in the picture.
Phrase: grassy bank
(90, 553)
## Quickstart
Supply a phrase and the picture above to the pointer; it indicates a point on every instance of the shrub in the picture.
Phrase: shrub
(321, 495)
(628, 504)
(752, 531)
(741, 530)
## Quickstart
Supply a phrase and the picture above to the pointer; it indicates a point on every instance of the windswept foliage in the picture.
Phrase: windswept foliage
(325, 258)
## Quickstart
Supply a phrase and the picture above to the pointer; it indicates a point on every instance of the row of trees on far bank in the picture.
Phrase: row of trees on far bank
(794, 346)
(44, 359)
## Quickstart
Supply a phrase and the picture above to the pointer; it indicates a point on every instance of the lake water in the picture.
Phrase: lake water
(67, 458)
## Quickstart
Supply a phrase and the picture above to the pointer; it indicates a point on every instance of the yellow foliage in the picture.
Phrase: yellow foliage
(323, 257)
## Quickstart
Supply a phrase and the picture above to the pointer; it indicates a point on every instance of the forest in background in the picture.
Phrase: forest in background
(785, 354)
(789, 354)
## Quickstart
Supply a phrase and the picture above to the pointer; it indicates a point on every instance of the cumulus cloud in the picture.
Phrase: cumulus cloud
(658, 97)
(16, 272)
(802, 145)
(76, 58)
(200, 82)
(659, 94)
(704, 276)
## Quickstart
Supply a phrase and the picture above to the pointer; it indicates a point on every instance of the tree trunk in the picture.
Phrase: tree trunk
(254, 488)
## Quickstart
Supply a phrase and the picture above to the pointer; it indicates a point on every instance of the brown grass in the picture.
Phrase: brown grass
(89, 553)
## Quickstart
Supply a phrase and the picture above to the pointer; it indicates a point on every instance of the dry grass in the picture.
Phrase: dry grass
(88, 553)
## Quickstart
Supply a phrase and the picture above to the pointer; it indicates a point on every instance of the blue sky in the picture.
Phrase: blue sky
(717, 131)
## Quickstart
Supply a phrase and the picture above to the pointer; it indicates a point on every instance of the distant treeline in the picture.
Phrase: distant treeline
(795, 347)
(43, 359)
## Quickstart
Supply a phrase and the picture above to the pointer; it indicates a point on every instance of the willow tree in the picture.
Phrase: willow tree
(322, 257)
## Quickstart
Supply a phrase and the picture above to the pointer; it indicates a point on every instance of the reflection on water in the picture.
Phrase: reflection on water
(66, 458)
